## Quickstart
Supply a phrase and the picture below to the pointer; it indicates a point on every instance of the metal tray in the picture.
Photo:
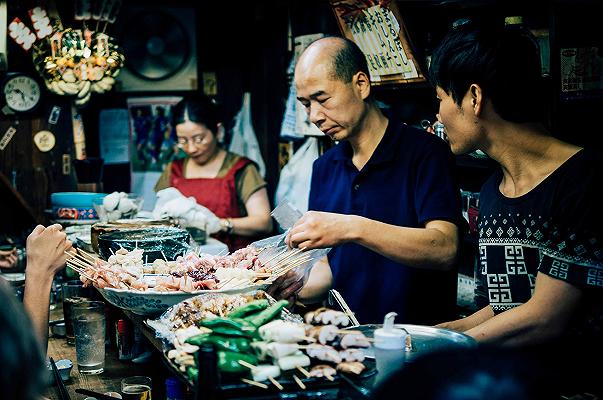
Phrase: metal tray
(423, 338)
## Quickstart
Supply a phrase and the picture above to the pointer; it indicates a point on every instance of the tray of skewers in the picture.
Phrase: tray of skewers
(126, 281)
(263, 348)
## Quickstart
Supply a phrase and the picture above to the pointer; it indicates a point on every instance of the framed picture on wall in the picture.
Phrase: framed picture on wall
(377, 28)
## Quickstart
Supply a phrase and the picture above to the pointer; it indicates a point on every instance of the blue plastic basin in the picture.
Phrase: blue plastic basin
(75, 199)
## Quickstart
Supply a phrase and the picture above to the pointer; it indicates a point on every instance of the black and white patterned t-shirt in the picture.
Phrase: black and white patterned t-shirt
(556, 229)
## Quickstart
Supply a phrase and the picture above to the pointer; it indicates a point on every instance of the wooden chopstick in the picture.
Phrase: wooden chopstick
(63, 393)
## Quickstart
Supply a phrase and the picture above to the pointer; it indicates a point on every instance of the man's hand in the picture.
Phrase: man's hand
(46, 249)
(287, 286)
(318, 230)
(8, 259)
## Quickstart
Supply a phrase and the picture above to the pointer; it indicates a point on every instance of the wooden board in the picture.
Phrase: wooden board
(373, 28)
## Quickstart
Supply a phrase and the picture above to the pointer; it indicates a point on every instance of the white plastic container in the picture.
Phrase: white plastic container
(390, 344)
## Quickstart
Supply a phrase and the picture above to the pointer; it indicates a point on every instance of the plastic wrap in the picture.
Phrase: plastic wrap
(188, 312)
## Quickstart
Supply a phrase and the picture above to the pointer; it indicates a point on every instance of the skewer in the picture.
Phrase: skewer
(254, 383)
(224, 283)
(246, 364)
(88, 255)
(272, 258)
(290, 266)
(163, 255)
(80, 259)
(329, 377)
(81, 272)
(275, 383)
(303, 371)
(287, 257)
(80, 263)
(344, 306)
(299, 382)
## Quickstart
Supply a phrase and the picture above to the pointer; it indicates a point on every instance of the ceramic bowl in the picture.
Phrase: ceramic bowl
(151, 303)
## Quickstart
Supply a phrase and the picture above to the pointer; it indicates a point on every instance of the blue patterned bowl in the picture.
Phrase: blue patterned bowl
(153, 303)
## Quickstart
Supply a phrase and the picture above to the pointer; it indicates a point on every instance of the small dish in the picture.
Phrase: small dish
(58, 330)
(64, 367)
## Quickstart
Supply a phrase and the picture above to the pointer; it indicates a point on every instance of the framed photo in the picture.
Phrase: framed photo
(377, 28)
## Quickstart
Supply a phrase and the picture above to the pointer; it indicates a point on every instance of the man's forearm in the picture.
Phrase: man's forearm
(418, 247)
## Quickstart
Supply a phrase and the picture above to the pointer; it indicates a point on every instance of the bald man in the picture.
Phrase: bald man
(383, 198)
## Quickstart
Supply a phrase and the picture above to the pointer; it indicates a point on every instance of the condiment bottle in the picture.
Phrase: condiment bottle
(174, 389)
(390, 343)
(208, 381)
(124, 340)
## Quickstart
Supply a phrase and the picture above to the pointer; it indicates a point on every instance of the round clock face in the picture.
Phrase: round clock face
(21, 92)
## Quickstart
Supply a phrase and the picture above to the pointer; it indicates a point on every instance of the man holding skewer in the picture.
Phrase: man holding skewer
(384, 198)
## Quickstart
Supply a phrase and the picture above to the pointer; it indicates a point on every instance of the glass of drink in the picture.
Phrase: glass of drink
(89, 328)
(136, 388)
(73, 293)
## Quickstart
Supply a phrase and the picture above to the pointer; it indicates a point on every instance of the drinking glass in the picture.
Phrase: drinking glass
(136, 388)
(89, 327)
(73, 292)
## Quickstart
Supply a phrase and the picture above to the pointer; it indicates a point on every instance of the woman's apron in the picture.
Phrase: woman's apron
(217, 194)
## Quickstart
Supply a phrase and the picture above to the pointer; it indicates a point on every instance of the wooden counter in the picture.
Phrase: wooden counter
(115, 369)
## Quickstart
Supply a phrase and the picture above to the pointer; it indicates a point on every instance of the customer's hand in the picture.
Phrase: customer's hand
(8, 258)
(46, 249)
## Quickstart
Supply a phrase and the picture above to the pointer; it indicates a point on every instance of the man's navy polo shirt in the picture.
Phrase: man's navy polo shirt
(408, 181)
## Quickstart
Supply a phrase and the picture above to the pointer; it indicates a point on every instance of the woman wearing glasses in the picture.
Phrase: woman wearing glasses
(226, 183)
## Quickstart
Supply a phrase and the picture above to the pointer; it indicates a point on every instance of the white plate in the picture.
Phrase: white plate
(154, 303)
(15, 278)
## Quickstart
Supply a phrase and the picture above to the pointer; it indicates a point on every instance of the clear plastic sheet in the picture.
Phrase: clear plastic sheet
(188, 312)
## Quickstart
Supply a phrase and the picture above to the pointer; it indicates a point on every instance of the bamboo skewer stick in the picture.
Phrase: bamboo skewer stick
(254, 383)
(299, 382)
(303, 371)
(273, 257)
(287, 257)
(275, 383)
(291, 265)
(344, 306)
(246, 364)
(81, 260)
(329, 377)
(88, 255)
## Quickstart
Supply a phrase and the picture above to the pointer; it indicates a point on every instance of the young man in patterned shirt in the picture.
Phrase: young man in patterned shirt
(540, 270)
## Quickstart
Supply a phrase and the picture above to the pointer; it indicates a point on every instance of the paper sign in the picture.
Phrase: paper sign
(8, 135)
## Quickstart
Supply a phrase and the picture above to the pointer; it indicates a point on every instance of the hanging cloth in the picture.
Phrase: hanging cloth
(244, 142)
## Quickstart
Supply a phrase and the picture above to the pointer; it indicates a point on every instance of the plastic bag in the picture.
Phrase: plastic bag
(276, 252)
(294, 182)
(172, 203)
(244, 142)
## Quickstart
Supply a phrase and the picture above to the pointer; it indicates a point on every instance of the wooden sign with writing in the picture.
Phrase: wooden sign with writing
(377, 28)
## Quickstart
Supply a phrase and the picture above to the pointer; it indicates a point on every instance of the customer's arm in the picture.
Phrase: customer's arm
(434, 246)
(545, 316)
(8, 258)
(45, 257)
(473, 320)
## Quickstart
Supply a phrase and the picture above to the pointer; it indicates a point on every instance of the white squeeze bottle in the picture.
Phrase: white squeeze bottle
(390, 350)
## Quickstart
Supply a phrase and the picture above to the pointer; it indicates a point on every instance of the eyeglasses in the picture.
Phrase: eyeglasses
(197, 140)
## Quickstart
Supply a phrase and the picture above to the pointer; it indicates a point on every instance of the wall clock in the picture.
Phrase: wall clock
(21, 92)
